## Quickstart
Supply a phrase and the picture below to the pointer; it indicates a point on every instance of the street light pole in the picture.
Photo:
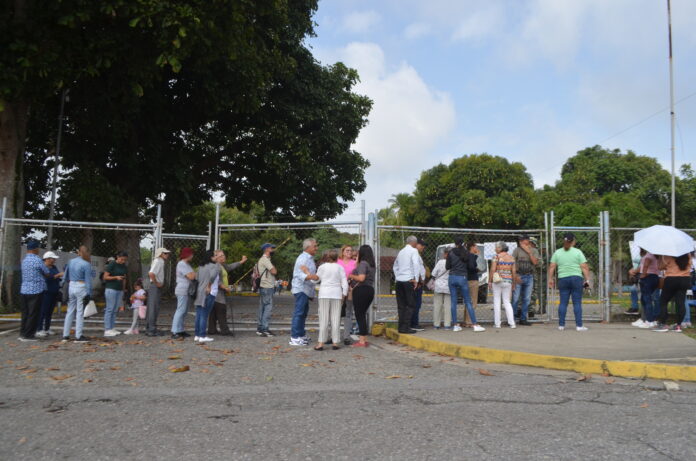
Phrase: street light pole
(671, 108)
(54, 180)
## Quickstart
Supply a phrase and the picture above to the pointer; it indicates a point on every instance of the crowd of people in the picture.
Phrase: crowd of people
(343, 281)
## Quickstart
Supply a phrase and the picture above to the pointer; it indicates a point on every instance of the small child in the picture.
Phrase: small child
(137, 300)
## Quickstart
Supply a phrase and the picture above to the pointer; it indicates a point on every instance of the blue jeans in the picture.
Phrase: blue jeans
(523, 290)
(265, 308)
(76, 306)
(460, 282)
(570, 287)
(300, 315)
(182, 302)
(48, 304)
(634, 298)
(113, 300)
(416, 311)
(648, 285)
(202, 313)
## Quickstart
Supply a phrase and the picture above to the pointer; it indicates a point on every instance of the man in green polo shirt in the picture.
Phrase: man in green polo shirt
(572, 266)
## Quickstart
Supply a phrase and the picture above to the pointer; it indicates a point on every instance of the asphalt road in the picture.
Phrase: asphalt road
(257, 398)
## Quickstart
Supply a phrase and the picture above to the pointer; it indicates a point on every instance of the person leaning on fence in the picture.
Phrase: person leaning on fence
(51, 296)
(458, 264)
(267, 287)
(422, 275)
(303, 275)
(406, 273)
(345, 260)
(217, 322)
(572, 265)
(526, 261)
(208, 286)
(184, 277)
(441, 294)
(677, 282)
(78, 276)
(333, 289)
(154, 293)
(503, 283)
(115, 275)
(34, 274)
(363, 280)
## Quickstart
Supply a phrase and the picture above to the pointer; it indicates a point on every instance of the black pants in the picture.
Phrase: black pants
(31, 309)
(406, 304)
(362, 298)
(218, 316)
(675, 287)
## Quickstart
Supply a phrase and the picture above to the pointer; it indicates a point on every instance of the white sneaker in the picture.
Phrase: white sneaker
(496, 326)
(478, 328)
(457, 328)
(638, 323)
(49, 332)
(580, 328)
(206, 339)
(686, 325)
(561, 328)
(306, 339)
(297, 342)
(128, 332)
(196, 339)
(41, 334)
(513, 326)
(647, 325)
(112, 333)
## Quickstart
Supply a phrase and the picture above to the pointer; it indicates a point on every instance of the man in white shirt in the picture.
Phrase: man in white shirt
(407, 271)
(154, 294)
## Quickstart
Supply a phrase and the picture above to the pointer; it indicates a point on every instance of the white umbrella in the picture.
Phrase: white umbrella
(664, 240)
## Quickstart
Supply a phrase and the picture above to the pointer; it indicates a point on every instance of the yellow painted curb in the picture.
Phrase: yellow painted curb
(580, 365)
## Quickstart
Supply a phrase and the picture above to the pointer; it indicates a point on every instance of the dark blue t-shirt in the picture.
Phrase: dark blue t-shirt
(53, 284)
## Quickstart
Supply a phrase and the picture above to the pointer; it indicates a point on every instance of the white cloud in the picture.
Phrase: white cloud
(359, 22)
(417, 30)
(479, 24)
(407, 121)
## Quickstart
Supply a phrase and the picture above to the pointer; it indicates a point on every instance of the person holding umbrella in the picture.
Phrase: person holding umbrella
(674, 248)
(572, 265)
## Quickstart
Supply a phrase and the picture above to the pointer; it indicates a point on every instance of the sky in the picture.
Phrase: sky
(533, 81)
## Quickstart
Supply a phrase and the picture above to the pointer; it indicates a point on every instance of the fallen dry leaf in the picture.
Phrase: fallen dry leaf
(95, 361)
(307, 364)
(645, 405)
(22, 440)
(175, 369)
(609, 381)
(204, 370)
(427, 366)
(61, 377)
(30, 370)
(174, 357)
(128, 379)
(393, 377)
(586, 378)
(115, 368)
(52, 369)
(484, 372)
(87, 380)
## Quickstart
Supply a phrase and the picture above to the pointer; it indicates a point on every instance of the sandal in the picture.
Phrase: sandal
(335, 347)
(318, 348)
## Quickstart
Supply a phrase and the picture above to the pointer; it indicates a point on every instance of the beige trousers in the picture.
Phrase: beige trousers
(441, 304)
(330, 310)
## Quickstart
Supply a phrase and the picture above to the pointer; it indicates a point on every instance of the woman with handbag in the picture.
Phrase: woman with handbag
(185, 277)
(333, 288)
(363, 278)
(439, 284)
(502, 283)
(676, 282)
(347, 312)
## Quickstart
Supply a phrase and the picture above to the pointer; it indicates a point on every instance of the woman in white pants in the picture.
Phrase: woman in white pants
(503, 283)
(333, 288)
(441, 294)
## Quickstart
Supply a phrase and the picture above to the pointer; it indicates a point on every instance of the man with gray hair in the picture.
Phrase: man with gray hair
(303, 275)
(406, 273)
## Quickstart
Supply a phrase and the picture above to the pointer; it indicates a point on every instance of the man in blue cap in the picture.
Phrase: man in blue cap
(267, 286)
(34, 274)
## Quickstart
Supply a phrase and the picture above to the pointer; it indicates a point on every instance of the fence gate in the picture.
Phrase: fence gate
(594, 242)
(389, 240)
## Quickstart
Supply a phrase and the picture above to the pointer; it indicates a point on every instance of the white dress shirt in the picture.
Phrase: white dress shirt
(334, 283)
(408, 265)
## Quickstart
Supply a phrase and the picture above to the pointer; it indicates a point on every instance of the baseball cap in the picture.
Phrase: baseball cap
(569, 237)
(33, 244)
(523, 237)
(533, 240)
(50, 254)
(267, 245)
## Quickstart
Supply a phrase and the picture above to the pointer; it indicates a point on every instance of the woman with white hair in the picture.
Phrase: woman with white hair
(502, 283)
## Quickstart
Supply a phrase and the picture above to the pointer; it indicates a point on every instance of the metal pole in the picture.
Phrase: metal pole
(671, 108)
(607, 263)
(363, 233)
(158, 236)
(2, 243)
(54, 179)
(207, 242)
(551, 293)
(217, 224)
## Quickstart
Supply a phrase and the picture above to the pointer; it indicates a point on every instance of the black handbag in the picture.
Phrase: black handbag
(193, 288)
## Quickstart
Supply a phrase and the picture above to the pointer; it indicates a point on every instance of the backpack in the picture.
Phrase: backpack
(256, 278)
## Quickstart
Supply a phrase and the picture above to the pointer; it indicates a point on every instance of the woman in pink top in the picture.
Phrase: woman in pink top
(346, 261)
(677, 281)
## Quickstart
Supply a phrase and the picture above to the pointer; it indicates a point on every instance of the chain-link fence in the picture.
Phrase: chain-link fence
(103, 239)
(391, 239)
(175, 243)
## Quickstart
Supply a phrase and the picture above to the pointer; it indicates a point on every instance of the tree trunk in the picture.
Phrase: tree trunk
(13, 130)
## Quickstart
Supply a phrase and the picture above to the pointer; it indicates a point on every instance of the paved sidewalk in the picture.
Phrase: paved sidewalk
(601, 342)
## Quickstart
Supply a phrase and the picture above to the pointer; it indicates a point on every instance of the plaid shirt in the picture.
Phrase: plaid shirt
(33, 271)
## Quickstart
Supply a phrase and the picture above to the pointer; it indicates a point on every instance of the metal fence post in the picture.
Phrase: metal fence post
(207, 242)
(370, 239)
(550, 248)
(217, 226)
(2, 243)
(607, 265)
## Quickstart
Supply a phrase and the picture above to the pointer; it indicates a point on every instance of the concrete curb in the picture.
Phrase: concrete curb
(580, 365)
